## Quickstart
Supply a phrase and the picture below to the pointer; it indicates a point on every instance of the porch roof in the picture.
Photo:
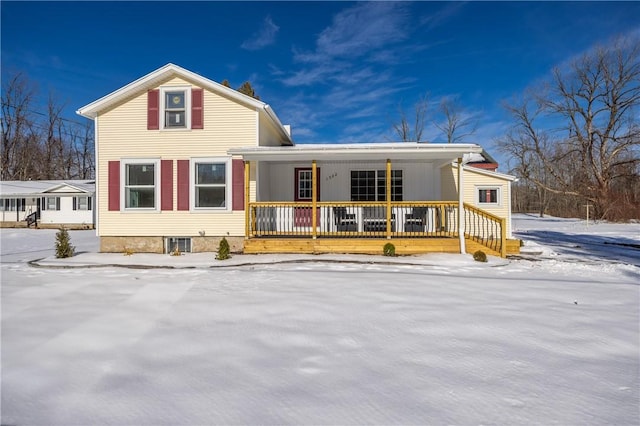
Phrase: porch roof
(429, 152)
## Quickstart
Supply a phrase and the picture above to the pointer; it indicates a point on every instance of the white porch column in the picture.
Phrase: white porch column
(247, 200)
(463, 248)
(388, 195)
(314, 199)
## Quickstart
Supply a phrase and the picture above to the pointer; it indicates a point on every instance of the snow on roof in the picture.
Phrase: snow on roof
(34, 187)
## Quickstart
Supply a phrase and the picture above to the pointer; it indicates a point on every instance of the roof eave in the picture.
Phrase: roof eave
(155, 77)
(397, 151)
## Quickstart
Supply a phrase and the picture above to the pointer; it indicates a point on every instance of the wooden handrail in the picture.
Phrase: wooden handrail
(279, 218)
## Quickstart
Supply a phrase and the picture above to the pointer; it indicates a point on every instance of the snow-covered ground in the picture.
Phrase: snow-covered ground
(549, 338)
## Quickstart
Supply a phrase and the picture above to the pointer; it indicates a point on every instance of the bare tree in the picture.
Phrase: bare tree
(17, 127)
(83, 148)
(457, 124)
(41, 144)
(412, 132)
(580, 138)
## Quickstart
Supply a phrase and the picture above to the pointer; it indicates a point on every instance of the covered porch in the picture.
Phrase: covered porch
(356, 198)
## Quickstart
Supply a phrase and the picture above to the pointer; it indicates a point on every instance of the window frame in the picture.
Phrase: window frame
(378, 176)
(45, 203)
(497, 188)
(76, 203)
(163, 107)
(298, 172)
(169, 240)
(227, 185)
(123, 185)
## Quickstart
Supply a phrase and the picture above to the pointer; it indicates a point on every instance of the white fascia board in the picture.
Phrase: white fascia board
(373, 151)
(62, 185)
(153, 79)
(156, 77)
(274, 118)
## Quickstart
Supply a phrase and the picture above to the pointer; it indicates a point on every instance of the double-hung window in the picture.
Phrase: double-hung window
(176, 104)
(82, 202)
(371, 185)
(51, 203)
(140, 179)
(211, 183)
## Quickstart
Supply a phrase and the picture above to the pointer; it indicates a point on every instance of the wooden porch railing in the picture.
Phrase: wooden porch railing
(485, 228)
(408, 219)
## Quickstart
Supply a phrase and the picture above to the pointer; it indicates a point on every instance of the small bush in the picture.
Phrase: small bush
(223, 250)
(127, 251)
(63, 244)
(479, 256)
(389, 250)
(176, 252)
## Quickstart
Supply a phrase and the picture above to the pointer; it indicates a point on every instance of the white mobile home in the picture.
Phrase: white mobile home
(48, 203)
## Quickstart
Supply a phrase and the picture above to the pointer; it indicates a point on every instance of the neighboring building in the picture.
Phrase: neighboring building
(48, 203)
(182, 160)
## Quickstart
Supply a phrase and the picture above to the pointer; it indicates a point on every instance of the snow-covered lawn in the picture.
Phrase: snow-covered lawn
(436, 339)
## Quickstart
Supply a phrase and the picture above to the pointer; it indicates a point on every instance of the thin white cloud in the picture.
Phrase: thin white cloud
(363, 28)
(265, 36)
(351, 71)
(442, 16)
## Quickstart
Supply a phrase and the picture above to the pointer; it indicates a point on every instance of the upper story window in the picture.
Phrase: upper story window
(175, 112)
(176, 107)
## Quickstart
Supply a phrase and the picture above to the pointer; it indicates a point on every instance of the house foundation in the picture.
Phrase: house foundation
(157, 244)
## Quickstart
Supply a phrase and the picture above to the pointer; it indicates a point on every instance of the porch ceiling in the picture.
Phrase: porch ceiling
(355, 152)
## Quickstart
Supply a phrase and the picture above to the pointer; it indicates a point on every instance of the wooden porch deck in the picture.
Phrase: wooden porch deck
(365, 227)
(404, 246)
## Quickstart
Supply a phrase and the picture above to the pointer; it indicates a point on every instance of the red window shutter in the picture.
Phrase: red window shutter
(166, 184)
(237, 184)
(197, 109)
(153, 110)
(183, 184)
(114, 185)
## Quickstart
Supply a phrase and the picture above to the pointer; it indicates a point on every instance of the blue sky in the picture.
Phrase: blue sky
(336, 71)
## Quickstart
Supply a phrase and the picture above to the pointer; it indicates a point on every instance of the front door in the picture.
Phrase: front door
(304, 193)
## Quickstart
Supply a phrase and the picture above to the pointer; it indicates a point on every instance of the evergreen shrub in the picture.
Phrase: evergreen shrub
(480, 256)
(389, 250)
(63, 244)
(223, 250)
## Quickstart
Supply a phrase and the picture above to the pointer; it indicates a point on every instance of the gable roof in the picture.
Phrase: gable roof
(154, 78)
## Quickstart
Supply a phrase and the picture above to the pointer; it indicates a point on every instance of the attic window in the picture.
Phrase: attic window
(174, 110)
(176, 104)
